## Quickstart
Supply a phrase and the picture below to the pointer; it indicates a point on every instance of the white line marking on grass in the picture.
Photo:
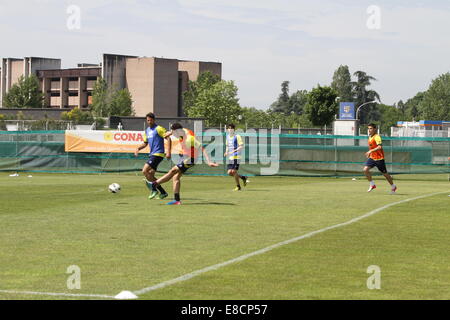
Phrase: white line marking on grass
(58, 294)
(267, 249)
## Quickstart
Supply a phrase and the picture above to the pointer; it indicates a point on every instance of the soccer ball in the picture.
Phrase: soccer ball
(114, 188)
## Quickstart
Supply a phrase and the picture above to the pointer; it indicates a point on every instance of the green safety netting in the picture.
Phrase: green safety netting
(284, 154)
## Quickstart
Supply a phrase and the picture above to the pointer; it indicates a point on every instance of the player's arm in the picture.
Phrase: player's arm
(235, 150)
(240, 144)
(166, 135)
(140, 147)
(378, 147)
(169, 147)
(198, 145)
(208, 160)
(373, 150)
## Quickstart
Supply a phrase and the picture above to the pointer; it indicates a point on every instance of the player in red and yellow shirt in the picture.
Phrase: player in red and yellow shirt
(189, 149)
(375, 158)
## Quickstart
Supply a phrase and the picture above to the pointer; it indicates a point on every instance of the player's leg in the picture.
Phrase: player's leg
(388, 178)
(230, 171)
(166, 177)
(236, 179)
(150, 167)
(244, 178)
(176, 188)
(382, 167)
(149, 174)
(368, 175)
(181, 168)
(172, 173)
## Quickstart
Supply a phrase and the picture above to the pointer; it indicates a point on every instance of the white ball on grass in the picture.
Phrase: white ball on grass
(114, 188)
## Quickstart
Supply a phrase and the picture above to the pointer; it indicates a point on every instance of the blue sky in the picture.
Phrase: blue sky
(260, 43)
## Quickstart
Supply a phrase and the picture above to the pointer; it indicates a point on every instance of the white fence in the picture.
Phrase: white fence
(420, 132)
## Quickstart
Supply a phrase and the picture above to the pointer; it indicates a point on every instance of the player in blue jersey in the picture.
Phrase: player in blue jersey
(154, 138)
(234, 147)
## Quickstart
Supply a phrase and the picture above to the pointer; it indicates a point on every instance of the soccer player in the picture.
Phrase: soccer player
(154, 137)
(375, 158)
(233, 151)
(190, 147)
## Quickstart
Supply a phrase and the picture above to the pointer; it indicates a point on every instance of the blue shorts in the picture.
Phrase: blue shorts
(380, 164)
(154, 161)
(233, 164)
(185, 164)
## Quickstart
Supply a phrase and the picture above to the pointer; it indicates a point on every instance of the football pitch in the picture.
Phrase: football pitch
(284, 238)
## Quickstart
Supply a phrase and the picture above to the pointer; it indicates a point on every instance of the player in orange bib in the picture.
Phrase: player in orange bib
(375, 158)
(190, 148)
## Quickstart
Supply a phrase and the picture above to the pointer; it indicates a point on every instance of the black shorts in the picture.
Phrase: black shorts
(185, 164)
(380, 164)
(154, 161)
(233, 164)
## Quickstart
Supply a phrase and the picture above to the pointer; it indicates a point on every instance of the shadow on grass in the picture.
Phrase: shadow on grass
(209, 204)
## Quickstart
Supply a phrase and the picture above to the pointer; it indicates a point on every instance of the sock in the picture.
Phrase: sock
(161, 189)
(243, 177)
(154, 186)
(372, 183)
(177, 197)
(393, 186)
(239, 187)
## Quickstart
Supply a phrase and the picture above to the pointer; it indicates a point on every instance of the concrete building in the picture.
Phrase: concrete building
(12, 69)
(156, 84)
(68, 88)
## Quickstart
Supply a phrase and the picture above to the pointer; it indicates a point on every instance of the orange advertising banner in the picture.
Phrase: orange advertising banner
(110, 141)
(104, 141)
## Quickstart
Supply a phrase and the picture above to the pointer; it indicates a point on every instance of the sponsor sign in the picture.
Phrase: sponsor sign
(104, 141)
(347, 111)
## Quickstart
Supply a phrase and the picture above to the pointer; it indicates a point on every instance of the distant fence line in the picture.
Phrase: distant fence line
(294, 155)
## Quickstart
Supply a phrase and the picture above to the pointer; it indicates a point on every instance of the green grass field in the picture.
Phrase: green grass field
(126, 242)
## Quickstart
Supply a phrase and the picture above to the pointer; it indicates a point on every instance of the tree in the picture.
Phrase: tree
(205, 81)
(108, 101)
(390, 115)
(321, 106)
(78, 116)
(282, 104)
(218, 104)
(362, 95)
(101, 98)
(297, 102)
(412, 106)
(342, 84)
(24, 94)
(436, 100)
(121, 103)
(401, 106)
(253, 117)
